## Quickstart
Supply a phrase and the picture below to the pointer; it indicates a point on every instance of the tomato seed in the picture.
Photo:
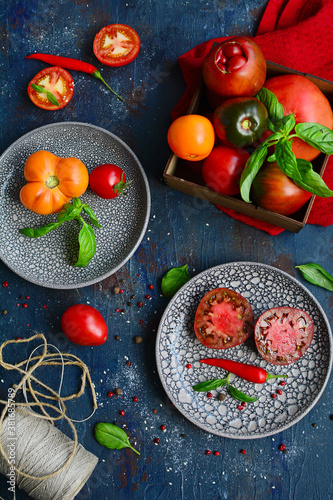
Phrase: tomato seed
(188, 366)
(156, 441)
(135, 399)
(5, 284)
(216, 453)
(208, 452)
(279, 392)
(282, 447)
(110, 394)
(122, 412)
(282, 382)
(243, 452)
(209, 395)
(162, 427)
(273, 396)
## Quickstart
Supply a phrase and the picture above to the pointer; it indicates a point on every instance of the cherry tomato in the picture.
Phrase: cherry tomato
(224, 319)
(274, 191)
(116, 45)
(235, 67)
(304, 99)
(52, 182)
(283, 334)
(223, 168)
(55, 80)
(191, 137)
(84, 325)
(108, 181)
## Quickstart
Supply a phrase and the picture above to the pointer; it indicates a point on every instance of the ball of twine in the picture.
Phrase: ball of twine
(48, 464)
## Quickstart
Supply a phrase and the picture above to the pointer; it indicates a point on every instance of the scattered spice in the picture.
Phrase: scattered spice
(129, 304)
(140, 304)
(117, 337)
(162, 427)
(188, 366)
(157, 441)
(243, 403)
(282, 447)
(5, 311)
(135, 399)
(138, 339)
(208, 452)
(5, 284)
(148, 297)
(118, 310)
(118, 392)
(216, 453)
(141, 321)
(273, 396)
(122, 413)
(110, 394)
(18, 338)
(128, 363)
(221, 396)
(25, 305)
(151, 287)
(154, 410)
(243, 452)
(331, 417)
(314, 425)
(45, 306)
(282, 382)
(27, 297)
(240, 407)
(279, 392)
(182, 435)
(209, 395)
(116, 290)
(121, 290)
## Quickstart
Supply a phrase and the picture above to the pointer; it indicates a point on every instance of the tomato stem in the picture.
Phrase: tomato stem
(97, 74)
(52, 181)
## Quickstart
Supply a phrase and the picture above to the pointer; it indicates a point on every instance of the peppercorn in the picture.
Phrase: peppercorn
(117, 337)
(118, 392)
(221, 396)
(138, 339)
(116, 290)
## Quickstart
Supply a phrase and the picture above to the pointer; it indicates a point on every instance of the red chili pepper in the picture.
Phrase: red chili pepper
(74, 64)
(247, 372)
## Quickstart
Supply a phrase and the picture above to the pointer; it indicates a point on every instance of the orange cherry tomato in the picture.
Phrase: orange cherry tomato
(52, 182)
(191, 137)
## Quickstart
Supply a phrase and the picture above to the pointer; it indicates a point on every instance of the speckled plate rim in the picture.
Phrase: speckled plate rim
(148, 205)
(159, 334)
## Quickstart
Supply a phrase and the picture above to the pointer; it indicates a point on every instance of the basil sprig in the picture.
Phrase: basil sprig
(284, 130)
(113, 437)
(213, 384)
(316, 274)
(174, 279)
(52, 98)
(86, 238)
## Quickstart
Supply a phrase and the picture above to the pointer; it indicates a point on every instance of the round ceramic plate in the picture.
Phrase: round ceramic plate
(47, 260)
(265, 287)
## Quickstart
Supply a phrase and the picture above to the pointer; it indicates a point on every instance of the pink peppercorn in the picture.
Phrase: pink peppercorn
(128, 363)
(282, 383)
(243, 452)
(273, 396)
(208, 452)
(162, 427)
(121, 290)
(240, 407)
(279, 392)
(216, 453)
(148, 296)
(156, 441)
(135, 399)
(45, 306)
(151, 287)
(25, 305)
(209, 395)
(118, 310)
(188, 366)
(282, 447)
(110, 394)
(122, 413)
(5, 284)
(140, 304)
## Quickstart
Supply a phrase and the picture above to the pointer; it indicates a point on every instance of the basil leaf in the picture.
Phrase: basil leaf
(285, 124)
(68, 214)
(240, 396)
(251, 169)
(286, 159)
(269, 100)
(40, 231)
(270, 125)
(49, 95)
(311, 180)
(111, 436)
(271, 158)
(209, 385)
(92, 216)
(87, 242)
(316, 135)
(316, 274)
(174, 279)
(76, 202)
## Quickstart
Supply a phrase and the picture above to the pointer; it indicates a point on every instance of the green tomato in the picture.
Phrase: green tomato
(240, 121)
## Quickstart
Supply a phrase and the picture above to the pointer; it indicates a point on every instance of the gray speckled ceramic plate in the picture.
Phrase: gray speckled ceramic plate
(265, 287)
(46, 260)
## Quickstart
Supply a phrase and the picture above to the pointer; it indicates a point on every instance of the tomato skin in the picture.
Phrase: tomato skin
(124, 41)
(274, 191)
(236, 67)
(84, 325)
(224, 319)
(191, 137)
(52, 79)
(240, 121)
(283, 334)
(107, 181)
(52, 181)
(223, 168)
(301, 97)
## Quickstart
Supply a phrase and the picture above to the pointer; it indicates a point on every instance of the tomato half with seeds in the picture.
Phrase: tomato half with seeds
(116, 45)
(55, 80)
(283, 334)
(84, 325)
(224, 319)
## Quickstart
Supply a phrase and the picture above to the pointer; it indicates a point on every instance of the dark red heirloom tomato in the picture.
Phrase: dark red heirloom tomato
(223, 168)
(235, 67)
(283, 334)
(223, 319)
(240, 121)
(274, 191)
(84, 325)
(301, 97)
(55, 80)
(116, 45)
(108, 181)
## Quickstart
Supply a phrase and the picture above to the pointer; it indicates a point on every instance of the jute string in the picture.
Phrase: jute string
(44, 392)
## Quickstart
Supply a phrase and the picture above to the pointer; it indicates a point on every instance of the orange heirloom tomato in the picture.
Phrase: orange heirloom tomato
(191, 137)
(52, 182)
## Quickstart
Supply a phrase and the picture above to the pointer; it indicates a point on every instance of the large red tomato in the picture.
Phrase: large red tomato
(301, 97)
(223, 168)
(274, 191)
(236, 67)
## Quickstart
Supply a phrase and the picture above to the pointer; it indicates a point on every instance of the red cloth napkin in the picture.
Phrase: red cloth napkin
(294, 33)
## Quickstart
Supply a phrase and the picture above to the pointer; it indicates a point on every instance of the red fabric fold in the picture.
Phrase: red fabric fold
(294, 33)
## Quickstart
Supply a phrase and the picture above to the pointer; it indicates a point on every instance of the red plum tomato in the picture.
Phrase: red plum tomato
(84, 325)
(223, 168)
(224, 319)
(283, 334)
(108, 181)
(301, 97)
(55, 80)
(235, 67)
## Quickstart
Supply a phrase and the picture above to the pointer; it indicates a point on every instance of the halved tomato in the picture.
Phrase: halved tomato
(223, 319)
(55, 80)
(116, 45)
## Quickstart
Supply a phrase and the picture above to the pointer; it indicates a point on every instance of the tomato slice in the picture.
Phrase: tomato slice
(55, 80)
(116, 45)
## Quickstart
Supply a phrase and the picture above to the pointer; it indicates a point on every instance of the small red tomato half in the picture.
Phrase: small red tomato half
(116, 45)
(84, 325)
(56, 83)
(223, 168)
(108, 181)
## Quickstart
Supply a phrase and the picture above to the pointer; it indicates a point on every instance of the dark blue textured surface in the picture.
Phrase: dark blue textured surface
(181, 230)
